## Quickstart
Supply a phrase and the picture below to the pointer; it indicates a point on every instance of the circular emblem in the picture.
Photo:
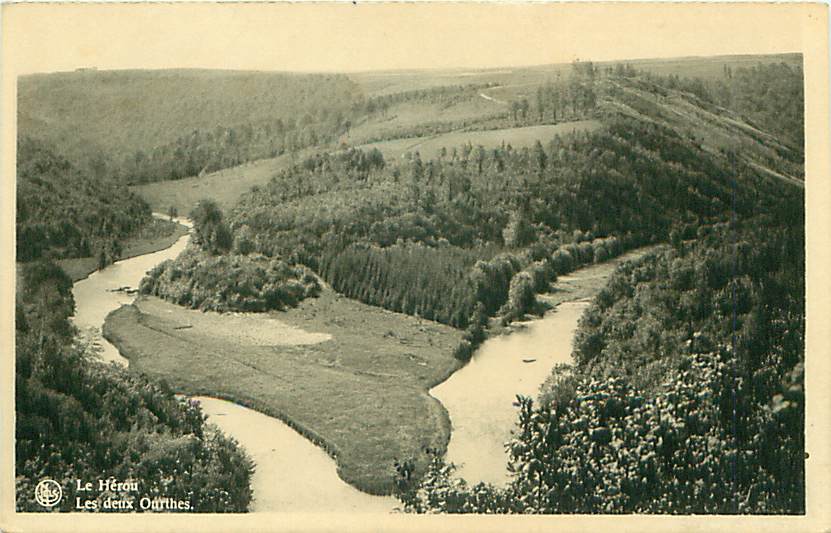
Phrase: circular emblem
(48, 493)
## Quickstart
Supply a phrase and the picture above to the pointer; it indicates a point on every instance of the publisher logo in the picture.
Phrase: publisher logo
(48, 493)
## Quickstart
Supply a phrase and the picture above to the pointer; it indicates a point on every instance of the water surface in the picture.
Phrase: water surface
(95, 299)
(480, 396)
(292, 474)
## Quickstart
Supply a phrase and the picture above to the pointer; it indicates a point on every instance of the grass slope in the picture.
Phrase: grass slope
(362, 395)
(224, 186)
(519, 138)
(710, 127)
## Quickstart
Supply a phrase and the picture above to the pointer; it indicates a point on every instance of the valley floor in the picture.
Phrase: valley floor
(350, 377)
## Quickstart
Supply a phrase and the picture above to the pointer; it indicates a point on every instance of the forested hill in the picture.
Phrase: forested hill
(145, 125)
(65, 213)
(687, 391)
(438, 236)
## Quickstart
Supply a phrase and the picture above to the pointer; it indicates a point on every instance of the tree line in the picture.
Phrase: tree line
(65, 213)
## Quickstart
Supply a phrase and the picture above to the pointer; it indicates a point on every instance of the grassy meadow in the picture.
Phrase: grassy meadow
(361, 395)
(223, 186)
(524, 137)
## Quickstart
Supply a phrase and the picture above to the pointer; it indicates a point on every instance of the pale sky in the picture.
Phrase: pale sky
(366, 36)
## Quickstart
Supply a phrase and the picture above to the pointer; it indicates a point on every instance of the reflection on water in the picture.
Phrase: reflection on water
(480, 396)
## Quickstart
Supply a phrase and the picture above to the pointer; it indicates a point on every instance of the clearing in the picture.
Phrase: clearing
(223, 186)
(523, 137)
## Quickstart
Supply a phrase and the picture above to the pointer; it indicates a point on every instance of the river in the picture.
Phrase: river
(293, 474)
(96, 295)
(480, 396)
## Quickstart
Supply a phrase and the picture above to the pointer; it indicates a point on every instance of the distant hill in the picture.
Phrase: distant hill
(390, 82)
(115, 115)
(147, 126)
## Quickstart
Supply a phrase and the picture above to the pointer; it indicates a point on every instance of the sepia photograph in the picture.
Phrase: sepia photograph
(337, 266)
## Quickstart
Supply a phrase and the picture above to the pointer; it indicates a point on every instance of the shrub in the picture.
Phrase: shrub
(251, 283)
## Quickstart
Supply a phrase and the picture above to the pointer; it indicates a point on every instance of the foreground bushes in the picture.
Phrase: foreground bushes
(687, 395)
(611, 449)
(79, 419)
(230, 282)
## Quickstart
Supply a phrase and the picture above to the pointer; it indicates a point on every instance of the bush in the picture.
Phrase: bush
(230, 282)
(521, 295)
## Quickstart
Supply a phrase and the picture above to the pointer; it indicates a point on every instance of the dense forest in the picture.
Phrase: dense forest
(414, 235)
(65, 213)
(79, 419)
(687, 393)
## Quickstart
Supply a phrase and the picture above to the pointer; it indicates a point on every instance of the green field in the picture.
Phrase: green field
(224, 186)
(405, 116)
(525, 137)
(362, 394)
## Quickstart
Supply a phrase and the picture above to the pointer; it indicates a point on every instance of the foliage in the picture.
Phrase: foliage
(395, 278)
(612, 449)
(211, 232)
(64, 213)
(687, 395)
(251, 283)
(79, 419)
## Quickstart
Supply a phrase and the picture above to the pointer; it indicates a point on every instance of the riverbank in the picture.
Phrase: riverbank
(352, 378)
(581, 284)
(514, 359)
(156, 236)
(356, 385)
